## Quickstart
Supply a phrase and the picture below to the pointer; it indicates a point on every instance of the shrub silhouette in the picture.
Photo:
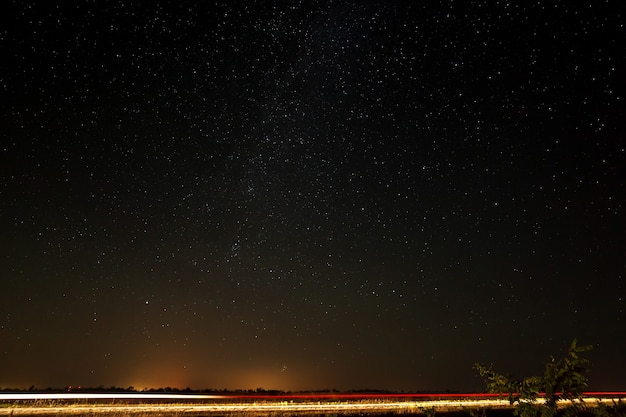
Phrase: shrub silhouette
(565, 379)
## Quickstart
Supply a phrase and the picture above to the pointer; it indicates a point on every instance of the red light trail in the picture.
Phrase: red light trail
(283, 397)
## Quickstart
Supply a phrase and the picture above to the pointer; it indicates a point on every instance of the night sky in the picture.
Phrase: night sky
(307, 195)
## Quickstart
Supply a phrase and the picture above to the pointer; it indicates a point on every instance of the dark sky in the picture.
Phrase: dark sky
(310, 194)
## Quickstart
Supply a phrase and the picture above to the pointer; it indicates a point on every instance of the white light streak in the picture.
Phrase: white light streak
(121, 396)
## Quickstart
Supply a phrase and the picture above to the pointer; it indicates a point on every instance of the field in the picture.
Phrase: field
(155, 405)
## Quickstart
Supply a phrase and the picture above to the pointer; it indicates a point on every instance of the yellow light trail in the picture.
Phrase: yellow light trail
(277, 405)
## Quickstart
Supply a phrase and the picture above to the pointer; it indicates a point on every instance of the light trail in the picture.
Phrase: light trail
(237, 404)
(352, 396)
(280, 397)
(253, 408)
(403, 407)
(107, 396)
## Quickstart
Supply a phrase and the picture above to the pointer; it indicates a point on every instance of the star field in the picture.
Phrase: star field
(308, 195)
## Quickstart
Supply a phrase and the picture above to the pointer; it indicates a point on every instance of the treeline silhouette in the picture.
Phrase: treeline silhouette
(207, 391)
